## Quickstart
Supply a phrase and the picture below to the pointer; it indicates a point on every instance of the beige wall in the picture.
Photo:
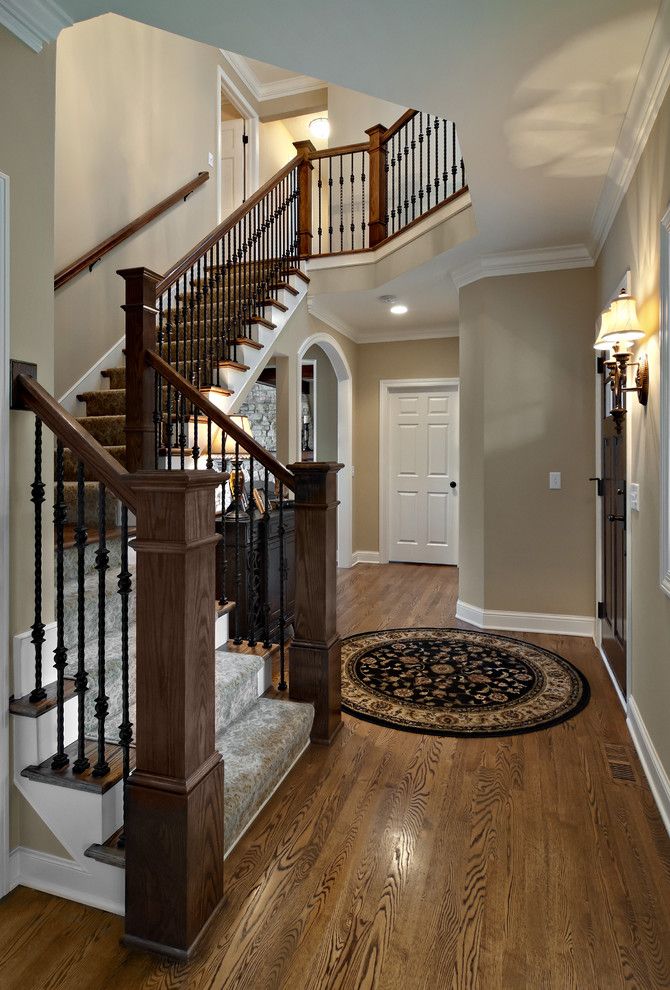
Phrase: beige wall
(326, 404)
(275, 149)
(350, 113)
(400, 359)
(528, 409)
(633, 242)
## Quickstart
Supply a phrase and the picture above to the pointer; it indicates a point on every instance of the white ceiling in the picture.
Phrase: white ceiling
(539, 91)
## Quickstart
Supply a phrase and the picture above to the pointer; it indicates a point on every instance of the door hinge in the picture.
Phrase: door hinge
(600, 613)
(600, 365)
(245, 139)
(599, 485)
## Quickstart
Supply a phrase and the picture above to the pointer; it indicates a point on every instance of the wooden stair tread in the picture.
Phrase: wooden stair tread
(33, 709)
(301, 274)
(285, 285)
(248, 342)
(235, 365)
(108, 852)
(85, 781)
(264, 322)
(276, 303)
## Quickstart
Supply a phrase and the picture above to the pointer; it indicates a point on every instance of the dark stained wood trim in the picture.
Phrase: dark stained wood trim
(377, 186)
(98, 460)
(344, 149)
(33, 709)
(100, 250)
(44, 773)
(251, 446)
(400, 122)
(215, 235)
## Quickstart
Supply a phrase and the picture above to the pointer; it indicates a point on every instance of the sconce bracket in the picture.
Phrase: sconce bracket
(642, 380)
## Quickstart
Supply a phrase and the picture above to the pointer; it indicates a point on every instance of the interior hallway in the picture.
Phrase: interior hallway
(394, 860)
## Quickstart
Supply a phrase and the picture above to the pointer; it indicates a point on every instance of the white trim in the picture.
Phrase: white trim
(317, 310)
(248, 113)
(292, 85)
(615, 683)
(61, 877)
(365, 557)
(546, 259)
(664, 336)
(646, 100)
(345, 414)
(4, 532)
(90, 381)
(34, 21)
(536, 622)
(386, 386)
(655, 772)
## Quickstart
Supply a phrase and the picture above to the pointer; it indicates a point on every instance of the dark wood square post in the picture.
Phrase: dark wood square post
(174, 799)
(304, 148)
(314, 654)
(140, 310)
(378, 207)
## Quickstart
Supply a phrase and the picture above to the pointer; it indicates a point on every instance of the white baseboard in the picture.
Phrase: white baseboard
(538, 622)
(364, 557)
(659, 783)
(613, 679)
(64, 878)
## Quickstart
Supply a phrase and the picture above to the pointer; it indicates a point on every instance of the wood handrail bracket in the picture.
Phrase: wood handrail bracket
(92, 257)
(64, 426)
(217, 416)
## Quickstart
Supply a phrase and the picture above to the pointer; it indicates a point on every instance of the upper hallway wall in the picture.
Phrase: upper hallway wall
(351, 113)
(633, 242)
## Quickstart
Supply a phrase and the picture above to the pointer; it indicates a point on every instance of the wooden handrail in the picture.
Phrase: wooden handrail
(217, 416)
(76, 438)
(400, 122)
(183, 265)
(100, 250)
(344, 149)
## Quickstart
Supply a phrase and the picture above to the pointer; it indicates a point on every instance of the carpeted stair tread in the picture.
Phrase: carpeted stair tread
(104, 402)
(70, 462)
(116, 376)
(258, 749)
(236, 679)
(107, 430)
(90, 503)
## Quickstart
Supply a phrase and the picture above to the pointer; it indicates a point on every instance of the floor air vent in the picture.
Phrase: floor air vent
(620, 764)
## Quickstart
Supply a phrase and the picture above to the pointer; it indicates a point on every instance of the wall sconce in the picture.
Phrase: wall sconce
(620, 327)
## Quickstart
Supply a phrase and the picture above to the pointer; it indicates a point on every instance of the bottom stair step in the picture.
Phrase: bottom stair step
(258, 750)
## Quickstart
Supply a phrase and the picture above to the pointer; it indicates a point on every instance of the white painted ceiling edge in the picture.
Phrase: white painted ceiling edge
(421, 81)
(292, 85)
(383, 334)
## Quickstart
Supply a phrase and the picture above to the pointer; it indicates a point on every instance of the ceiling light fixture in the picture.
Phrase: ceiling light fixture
(319, 128)
(398, 309)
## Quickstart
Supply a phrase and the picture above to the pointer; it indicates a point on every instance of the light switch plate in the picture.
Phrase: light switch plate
(634, 497)
(211, 159)
(554, 480)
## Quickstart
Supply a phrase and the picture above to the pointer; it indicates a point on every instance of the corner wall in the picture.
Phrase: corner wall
(527, 408)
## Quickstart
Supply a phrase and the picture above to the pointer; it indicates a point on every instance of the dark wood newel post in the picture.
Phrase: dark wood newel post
(314, 654)
(304, 149)
(378, 191)
(174, 799)
(140, 310)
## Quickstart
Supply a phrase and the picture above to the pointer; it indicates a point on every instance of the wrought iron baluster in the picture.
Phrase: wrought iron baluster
(392, 184)
(267, 642)
(37, 498)
(330, 204)
(158, 390)
(445, 161)
(125, 586)
(168, 401)
(352, 225)
(238, 573)
(220, 318)
(101, 767)
(209, 462)
(319, 186)
(195, 413)
(387, 173)
(81, 678)
(252, 569)
(436, 129)
(223, 597)
(420, 163)
(463, 182)
(341, 206)
(406, 130)
(454, 166)
(413, 147)
(61, 759)
(429, 187)
(282, 574)
(363, 219)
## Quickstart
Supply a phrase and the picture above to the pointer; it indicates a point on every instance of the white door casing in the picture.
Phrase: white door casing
(232, 165)
(224, 84)
(4, 535)
(419, 472)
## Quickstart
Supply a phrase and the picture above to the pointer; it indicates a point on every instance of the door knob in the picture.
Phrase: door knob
(613, 518)
(452, 484)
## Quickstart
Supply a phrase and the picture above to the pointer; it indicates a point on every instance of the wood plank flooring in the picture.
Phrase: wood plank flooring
(395, 861)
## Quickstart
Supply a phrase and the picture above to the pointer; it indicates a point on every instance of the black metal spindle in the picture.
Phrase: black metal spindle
(387, 171)
(341, 206)
(392, 196)
(238, 564)
(454, 166)
(158, 390)
(413, 148)
(81, 677)
(37, 498)
(420, 175)
(61, 759)
(445, 161)
(429, 185)
(436, 130)
(252, 601)
(330, 204)
(406, 130)
(101, 767)
(168, 401)
(319, 186)
(363, 219)
(223, 597)
(352, 179)
(267, 642)
(125, 586)
(282, 593)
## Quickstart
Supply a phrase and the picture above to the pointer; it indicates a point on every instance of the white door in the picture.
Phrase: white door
(232, 165)
(423, 475)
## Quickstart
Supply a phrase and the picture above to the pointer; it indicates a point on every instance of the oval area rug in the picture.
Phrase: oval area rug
(457, 682)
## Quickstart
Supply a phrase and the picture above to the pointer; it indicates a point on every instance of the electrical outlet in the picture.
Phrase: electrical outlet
(554, 481)
(634, 497)
(211, 159)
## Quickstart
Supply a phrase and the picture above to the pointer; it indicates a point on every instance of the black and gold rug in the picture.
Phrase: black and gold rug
(456, 682)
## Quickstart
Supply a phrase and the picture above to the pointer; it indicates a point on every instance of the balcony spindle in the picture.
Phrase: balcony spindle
(282, 592)
(61, 759)
(420, 175)
(429, 186)
(267, 642)
(330, 205)
(37, 498)
(238, 563)
(252, 563)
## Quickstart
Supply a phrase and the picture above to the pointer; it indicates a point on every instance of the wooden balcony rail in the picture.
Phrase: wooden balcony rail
(92, 257)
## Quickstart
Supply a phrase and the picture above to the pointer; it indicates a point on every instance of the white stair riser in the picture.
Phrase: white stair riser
(35, 738)
(221, 631)
(24, 661)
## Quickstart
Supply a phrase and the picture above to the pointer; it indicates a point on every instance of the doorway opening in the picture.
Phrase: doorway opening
(237, 153)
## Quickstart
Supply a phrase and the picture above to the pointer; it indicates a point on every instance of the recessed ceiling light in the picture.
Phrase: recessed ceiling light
(320, 128)
(398, 309)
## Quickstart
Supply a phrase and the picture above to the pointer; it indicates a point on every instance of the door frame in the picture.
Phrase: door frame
(249, 114)
(623, 284)
(4, 531)
(315, 386)
(386, 386)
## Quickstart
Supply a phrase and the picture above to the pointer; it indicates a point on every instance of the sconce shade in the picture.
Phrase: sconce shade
(602, 343)
(623, 324)
(244, 424)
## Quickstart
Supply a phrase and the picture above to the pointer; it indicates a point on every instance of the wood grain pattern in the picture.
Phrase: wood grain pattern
(399, 862)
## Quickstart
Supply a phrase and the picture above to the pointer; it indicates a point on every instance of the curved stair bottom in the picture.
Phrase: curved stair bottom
(259, 748)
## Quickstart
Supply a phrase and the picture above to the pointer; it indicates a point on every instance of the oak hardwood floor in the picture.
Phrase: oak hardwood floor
(394, 861)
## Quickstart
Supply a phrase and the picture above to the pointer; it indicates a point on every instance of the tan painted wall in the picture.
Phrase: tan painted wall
(634, 242)
(350, 113)
(531, 411)
(27, 84)
(326, 404)
(275, 149)
(400, 359)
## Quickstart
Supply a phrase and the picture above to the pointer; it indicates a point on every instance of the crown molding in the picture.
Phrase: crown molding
(35, 22)
(547, 259)
(648, 94)
(262, 92)
(314, 309)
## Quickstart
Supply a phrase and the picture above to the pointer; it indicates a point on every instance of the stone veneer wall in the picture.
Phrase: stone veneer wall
(261, 408)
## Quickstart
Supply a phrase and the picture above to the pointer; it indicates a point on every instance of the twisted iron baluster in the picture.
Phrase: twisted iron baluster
(251, 562)
(341, 207)
(420, 163)
(393, 184)
(413, 147)
(37, 498)
(267, 642)
(81, 678)
(61, 759)
(238, 575)
(445, 160)
(363, 220)
(282, 571)
(406, 130)
(437, 156)
(168, 430)
(125, 586)
(352, 179)
(319, 186)
(101, 767)
(429, 186)
(330, 204)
